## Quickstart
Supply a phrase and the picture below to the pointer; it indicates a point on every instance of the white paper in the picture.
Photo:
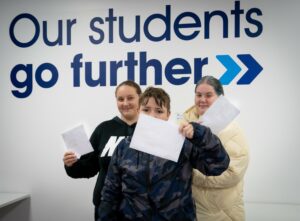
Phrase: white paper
(77, 140)
(219, 115)
(157, 137)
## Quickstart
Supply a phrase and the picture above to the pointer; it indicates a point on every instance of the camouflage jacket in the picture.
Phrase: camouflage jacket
(143, 187)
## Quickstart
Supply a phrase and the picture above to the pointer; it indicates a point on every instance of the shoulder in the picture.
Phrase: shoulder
(234, 139)
(123, 147)
(191, 114)
(232, 130)
(103, 127)
(125, 142)
(107, 123)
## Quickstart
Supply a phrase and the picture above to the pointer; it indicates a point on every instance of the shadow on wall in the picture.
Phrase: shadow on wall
(16, 211)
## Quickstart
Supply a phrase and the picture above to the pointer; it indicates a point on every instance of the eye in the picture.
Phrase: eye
(145, 110)
(209, 95)
(159, 111)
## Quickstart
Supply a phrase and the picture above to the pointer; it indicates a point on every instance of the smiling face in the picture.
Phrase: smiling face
(205, 96)
(127, 102)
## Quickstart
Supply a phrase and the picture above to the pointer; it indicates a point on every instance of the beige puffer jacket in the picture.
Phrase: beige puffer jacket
(220, 198)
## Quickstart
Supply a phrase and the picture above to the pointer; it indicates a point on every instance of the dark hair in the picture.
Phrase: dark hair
(160, 96)
(212, 81)
(130, 84)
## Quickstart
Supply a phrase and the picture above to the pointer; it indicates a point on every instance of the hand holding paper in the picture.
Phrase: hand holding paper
(157, 137)
(76, 140)
(219, 115)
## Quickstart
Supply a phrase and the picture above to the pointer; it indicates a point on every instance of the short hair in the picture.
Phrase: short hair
(130, 84)
(160, 96)
(212, 81)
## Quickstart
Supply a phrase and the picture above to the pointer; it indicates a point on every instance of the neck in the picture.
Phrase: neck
(129, 121)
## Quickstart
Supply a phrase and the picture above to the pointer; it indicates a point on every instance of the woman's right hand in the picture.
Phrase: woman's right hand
(69, 158)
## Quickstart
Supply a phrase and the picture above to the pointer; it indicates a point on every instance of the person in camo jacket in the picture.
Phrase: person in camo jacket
(142, 187)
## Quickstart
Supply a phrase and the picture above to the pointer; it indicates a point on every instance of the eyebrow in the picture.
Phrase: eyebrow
(156, 108)
(204, 92)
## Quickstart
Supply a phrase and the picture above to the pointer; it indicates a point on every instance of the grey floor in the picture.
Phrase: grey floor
(254, 212)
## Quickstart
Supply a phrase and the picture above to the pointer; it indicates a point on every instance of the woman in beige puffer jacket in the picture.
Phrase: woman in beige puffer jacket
(219, 198)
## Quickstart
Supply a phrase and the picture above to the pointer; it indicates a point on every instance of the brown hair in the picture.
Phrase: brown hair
(130, 84)
(160, 96)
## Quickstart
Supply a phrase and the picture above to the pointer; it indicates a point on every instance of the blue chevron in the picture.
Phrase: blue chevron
(253, 69)
(232, 69)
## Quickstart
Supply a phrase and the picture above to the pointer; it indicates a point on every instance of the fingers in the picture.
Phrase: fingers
(187, 130)
(69, 158)
(181, 120)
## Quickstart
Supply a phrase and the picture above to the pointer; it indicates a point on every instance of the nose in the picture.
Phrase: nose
(202, 99)
(126, 102)
(152, 114)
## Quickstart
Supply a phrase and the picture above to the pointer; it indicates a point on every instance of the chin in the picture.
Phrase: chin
(128, 115)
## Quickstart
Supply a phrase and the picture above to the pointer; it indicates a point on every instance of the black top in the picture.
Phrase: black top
(104, 140)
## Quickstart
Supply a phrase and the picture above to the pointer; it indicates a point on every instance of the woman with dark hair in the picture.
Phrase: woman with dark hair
(219, 197)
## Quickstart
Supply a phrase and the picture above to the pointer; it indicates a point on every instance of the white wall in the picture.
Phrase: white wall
(31, 146)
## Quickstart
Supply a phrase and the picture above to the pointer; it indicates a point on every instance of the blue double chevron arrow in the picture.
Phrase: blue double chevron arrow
(233, 69)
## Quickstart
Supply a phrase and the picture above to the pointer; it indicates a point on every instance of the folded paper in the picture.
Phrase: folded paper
(219, 115)
(77, 140)
(157, 137)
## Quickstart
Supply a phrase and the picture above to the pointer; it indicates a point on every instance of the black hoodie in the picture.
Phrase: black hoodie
(104, 140)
